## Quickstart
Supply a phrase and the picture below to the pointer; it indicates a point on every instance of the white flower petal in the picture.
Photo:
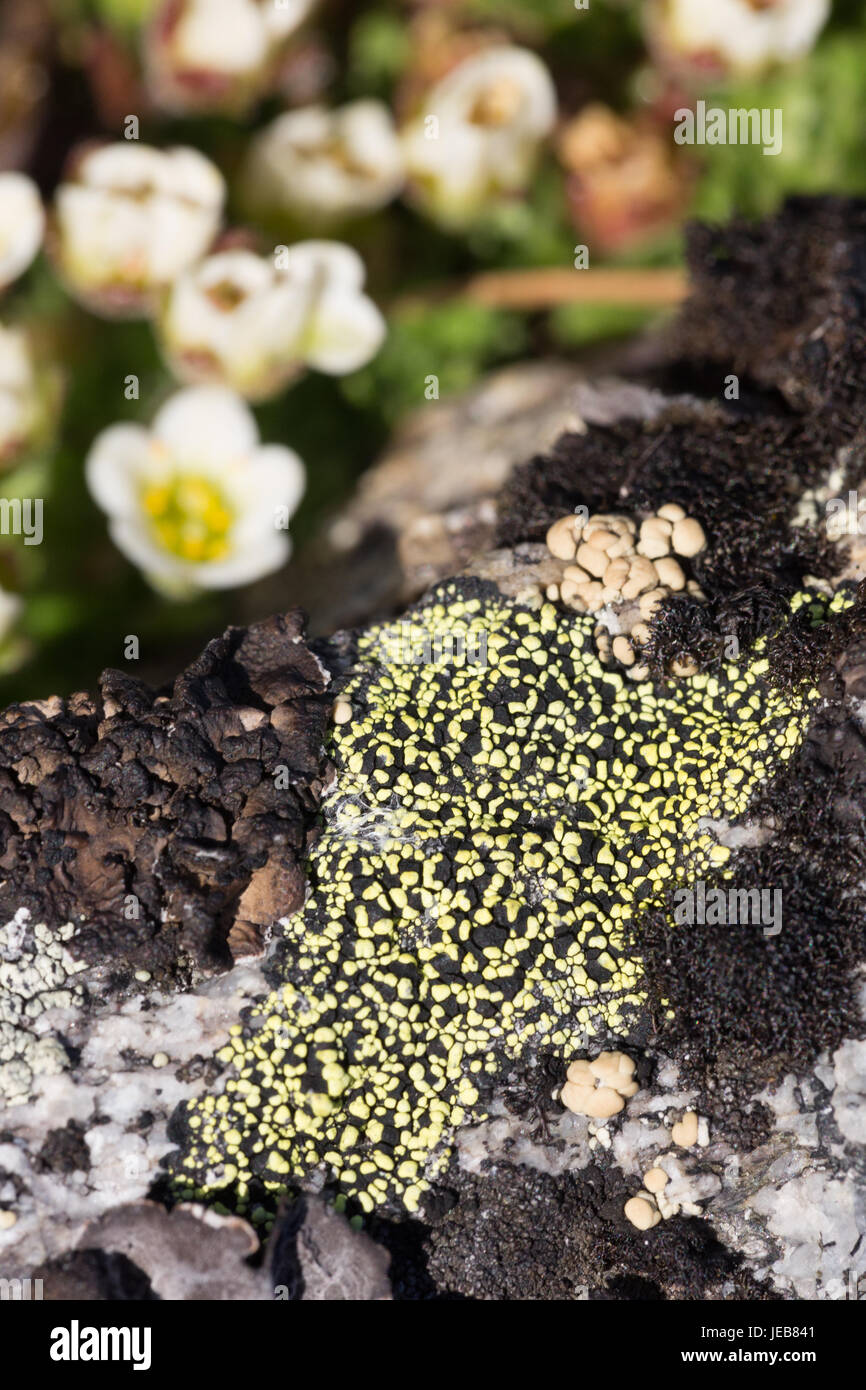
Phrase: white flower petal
(176, 235)
(332, 262)
(224, 36)
(455, 166)
(367, 131)
(16, 364)
(11, 607)
(274, 477)
(309, 125)
(345, 331)
(188, 173)
(99, 236)
(128, 166)
(119, 166)
(15, 424)
(740, 35)
(516, 71)
(283, 17)
(492, 112)
(246, 564)
(206, 426)
(216, 54)
(234, 307)
(224, 495)
(238, 319)
(242, 269)
(115, 465)
(22, 223)
(251, 348)
(19, 396)
(132, 538)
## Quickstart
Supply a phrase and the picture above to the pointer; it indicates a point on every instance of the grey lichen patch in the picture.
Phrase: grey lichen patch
(91, 1137)
(37, 975)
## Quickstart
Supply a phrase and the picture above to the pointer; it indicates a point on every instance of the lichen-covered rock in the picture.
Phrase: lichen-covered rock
(494, 826)
(491, 894)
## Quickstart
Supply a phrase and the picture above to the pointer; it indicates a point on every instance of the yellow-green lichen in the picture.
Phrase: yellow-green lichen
(492, 831)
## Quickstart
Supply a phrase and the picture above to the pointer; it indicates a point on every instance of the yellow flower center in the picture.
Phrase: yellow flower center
(189, 516)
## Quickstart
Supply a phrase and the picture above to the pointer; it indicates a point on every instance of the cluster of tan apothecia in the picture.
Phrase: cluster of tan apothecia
(623, 570)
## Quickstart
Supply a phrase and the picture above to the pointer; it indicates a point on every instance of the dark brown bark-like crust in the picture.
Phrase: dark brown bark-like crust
(169, 826)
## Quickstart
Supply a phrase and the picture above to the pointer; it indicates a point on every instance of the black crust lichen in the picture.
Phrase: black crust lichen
(743, 1009)
(516, 1233)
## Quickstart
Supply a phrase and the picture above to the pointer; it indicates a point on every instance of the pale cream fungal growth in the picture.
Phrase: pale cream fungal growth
(655, 1180)
(685, 1132)
(611, 564)
(642, 1212)
(601, 1087)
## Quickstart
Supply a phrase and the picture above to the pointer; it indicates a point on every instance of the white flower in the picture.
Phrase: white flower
(130, 219)
(13, 649)
(478, 134)
(325, 164)
(254, 324)
(22, 223)
(19, 399)
(205, 55)
(10, 611)
(742, 37)
(196, 502)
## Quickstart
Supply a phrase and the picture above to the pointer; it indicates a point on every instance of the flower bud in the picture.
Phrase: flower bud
(324, 166)
(128, 219)
(20, 413)
(737, 38)
(477, 134)
(254, 324)
(217, 55)
(13, 648)
(624, 182)
(22, 222)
